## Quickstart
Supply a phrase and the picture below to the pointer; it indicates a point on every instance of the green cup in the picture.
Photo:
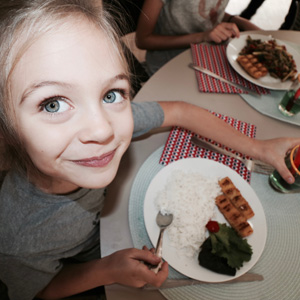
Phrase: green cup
(290, 103)
(292, 161)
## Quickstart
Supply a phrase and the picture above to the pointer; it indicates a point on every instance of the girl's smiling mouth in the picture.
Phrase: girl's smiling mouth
(96, 161)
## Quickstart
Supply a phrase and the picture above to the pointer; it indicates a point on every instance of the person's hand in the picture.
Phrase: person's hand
(222, 32)
(129, 267)
(273, 152)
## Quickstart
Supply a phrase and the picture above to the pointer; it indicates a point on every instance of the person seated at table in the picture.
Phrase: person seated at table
(66, 120)
(65, 123)
(168, 27)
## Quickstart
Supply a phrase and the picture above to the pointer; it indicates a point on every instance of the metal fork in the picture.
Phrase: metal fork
(252, 165)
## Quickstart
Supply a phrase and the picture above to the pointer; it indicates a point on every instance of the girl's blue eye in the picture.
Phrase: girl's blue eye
(113, 97)
(54, 105)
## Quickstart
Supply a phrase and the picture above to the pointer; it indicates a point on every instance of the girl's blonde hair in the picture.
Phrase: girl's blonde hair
(21, 23)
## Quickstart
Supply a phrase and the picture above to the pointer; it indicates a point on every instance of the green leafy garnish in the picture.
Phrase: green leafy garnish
(213, 262)
(227, 245)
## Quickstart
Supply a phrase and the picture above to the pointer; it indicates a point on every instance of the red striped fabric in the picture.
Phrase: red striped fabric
(179, 146)
(213, 58)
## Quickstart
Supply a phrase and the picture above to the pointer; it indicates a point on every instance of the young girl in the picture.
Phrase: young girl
(66, 120)
(168, 27)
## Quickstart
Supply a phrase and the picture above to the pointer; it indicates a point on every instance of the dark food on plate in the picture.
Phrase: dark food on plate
(213, 262)
(224, 251)
(274, 57)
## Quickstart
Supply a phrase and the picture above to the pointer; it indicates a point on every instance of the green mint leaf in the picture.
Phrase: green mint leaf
(226, 243)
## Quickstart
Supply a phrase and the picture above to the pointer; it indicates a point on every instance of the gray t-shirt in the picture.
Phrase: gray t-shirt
(179, 17)
(39, 232)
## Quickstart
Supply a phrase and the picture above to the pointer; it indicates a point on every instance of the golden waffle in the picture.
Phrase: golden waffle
(236, 197)
(252, 66)
(234, 217)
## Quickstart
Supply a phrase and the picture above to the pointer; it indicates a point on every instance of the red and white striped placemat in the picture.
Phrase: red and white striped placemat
(179, 146)
(213, 58)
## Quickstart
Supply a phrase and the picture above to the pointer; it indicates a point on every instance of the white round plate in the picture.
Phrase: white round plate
(237, 44)
(190, 266)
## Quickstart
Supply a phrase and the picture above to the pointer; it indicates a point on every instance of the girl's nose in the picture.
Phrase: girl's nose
(96, 127)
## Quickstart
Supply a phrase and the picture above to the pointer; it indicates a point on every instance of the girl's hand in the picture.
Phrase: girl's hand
(274, 151)
(222, 32)
(129, 267)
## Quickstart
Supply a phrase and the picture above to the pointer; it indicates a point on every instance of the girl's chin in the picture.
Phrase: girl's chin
(85, 177)
(94, 185)
(69, 185)
(95, 182)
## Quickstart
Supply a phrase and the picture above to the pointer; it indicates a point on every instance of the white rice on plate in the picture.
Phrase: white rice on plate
(190, 197)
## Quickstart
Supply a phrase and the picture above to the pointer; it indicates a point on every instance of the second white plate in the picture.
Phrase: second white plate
(190, 266)
(237, 44)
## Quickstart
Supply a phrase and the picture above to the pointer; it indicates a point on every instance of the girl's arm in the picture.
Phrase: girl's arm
(148, 40)
(201, 121)
(124, 267)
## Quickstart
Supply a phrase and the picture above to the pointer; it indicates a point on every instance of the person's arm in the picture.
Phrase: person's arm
(242, 23)
(123, 267)
(146, 38)
(202, 122)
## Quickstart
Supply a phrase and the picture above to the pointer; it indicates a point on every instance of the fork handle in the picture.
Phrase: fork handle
(212, 147)
(256, 166)
(158, 249)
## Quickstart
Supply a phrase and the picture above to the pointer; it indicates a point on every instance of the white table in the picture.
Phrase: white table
(174, 81)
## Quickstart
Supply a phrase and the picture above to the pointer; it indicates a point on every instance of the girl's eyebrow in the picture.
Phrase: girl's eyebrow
(120, 77)
(41, 84)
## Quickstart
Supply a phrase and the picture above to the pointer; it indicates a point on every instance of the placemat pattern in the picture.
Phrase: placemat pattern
(279, 263)
(213, 58)
(179, 146)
